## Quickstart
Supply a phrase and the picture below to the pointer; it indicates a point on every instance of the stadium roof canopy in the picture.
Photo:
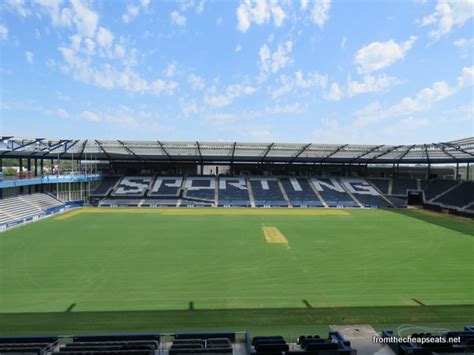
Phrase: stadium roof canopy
(459, 151)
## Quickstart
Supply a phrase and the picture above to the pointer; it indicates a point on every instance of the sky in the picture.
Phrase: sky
(319, 71)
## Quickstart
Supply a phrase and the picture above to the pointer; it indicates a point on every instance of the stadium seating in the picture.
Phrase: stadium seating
(436, 187)
(195, 345)
(460, 196)
(25, 206)
(400, 186)
(120, 202)
(381, 184)
(400, 202)
(335, 344)
(166, 186)
(105, 186)
(139, 344)
(132, 186)
(27, 345)
(165, 202)
(333, 193)
(233, 192)
(364, 192)
(200, 188)
(239, 191)
(300, 193)
(267, 192)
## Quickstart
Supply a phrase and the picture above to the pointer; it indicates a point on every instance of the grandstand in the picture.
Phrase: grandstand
(261, 175)
(24, 208)
(233, 192)
(300, 192)
(267, 192)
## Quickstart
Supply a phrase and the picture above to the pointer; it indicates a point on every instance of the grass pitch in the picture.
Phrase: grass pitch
(186, 269)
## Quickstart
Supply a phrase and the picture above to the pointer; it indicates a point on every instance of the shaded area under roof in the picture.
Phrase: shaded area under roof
(458, 151)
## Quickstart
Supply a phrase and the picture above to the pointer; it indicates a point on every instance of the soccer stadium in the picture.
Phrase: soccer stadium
(248, 177)
(273, 239)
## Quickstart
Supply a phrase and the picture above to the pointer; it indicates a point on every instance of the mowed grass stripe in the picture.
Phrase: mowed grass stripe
(149, 261)
(289, 322)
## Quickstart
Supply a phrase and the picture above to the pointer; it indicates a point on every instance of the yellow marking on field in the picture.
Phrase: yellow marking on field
(106, 211)
(253, 212)
(206, 212)
(274, 236)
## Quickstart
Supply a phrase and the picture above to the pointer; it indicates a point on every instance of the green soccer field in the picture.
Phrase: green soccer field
(182, 270)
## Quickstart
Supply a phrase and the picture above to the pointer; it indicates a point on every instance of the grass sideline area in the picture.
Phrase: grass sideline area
(117, 271)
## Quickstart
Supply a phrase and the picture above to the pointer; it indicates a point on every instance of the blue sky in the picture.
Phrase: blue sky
(321, 71)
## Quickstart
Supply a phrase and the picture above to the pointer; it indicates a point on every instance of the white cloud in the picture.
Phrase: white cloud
(90, 46)
(171, 70)
(467, 77)
(466, 45)
(259, 12)
(313, 79)
(304, 4)
(60, 17)
(62, 14)
(378, 55)
(273, 62)
(300, 80)
(134, 10)
(3, 32)
(371, 83)
(448, 14)
(232, 92)
(18, 6)
(320, 12)
(159, 86)
(422, 101)
(238, 48)
(104, 37)
(278, 15)
(84, 18)
(196, 82)
(29, 57)
(109, 77)
(178, 19)
(335, 93)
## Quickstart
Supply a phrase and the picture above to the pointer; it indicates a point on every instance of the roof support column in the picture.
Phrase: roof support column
(457, 172)
(467, 172)
(428, 171)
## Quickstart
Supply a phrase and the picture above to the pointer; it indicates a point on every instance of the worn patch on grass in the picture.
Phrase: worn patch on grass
(208, 212)
(252, 212)
(274, 236)
(100, 210)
